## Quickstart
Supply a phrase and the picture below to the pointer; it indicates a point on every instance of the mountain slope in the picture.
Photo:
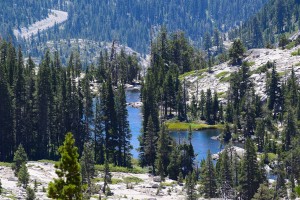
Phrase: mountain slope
(218, 80)
(275, 18)
(130, 21)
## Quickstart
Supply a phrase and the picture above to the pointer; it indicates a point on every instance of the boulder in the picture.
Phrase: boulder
(155, 185)
(157, 179)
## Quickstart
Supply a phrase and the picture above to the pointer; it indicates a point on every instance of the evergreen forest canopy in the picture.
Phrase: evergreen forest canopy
(21, 13)
(276, 18)
(131, 21)
(40, 105)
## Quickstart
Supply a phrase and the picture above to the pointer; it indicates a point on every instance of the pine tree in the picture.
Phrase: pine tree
(87, 164)
(215, 107)
(264, 193)
(68, 183)
(107, 177)
(209, 178)
(280, 188)
(174, 165)
(190, 186)
(6, 118)
(292, 90)
(202, 105)
(124, 135)
(209, 107)
(23, 175)
(187, 155)
(274, 91)
(43, 102)
(257, 37)
(150, 145)
(88, 106)
(163, 152)
(1, 188)
(99, 138)
(216, 39)
(226, 178)
(249, 177)
(207, 43)
(20, 157)
(290, 129)
(110, 121)
(30, 194)
(260, 134)
(19, 101)
(194, 108)
(227, 133)
(236, 52)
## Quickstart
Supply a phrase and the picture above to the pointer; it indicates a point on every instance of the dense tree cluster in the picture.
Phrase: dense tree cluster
(277, 17)
(245, 115)
(23, 13)
(128, 21)
(40, 105)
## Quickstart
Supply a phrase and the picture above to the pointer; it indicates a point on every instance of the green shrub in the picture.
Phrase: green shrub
(132, 179)
(5, 164)
(112, 168)
(222, 74)
(290, 45)
(296, 53)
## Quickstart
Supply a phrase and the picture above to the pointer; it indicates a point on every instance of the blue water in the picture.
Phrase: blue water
(201, 140)
(135, 120)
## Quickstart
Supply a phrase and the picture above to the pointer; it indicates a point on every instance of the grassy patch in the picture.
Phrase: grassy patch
(290, 45)
(114, 181)
(296, 53)
(249, 64)
(225, 79)
(169, 184)
(262, 69)
(202, 76)
(222, 74)
(11, 196)
(281, 74)
(132, 179)
(182, 76)
(48, 161)
(192, 73)
(181, 126)
(272, 156)
(5, 164)
(95, 180)
(135, 169)
(297, 64)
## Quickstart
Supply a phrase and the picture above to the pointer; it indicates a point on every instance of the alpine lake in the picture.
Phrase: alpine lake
(202, 140)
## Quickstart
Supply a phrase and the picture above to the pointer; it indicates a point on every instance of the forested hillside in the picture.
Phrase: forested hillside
(21, 13)
(75, 112)
(131, 21)
(277, 17)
